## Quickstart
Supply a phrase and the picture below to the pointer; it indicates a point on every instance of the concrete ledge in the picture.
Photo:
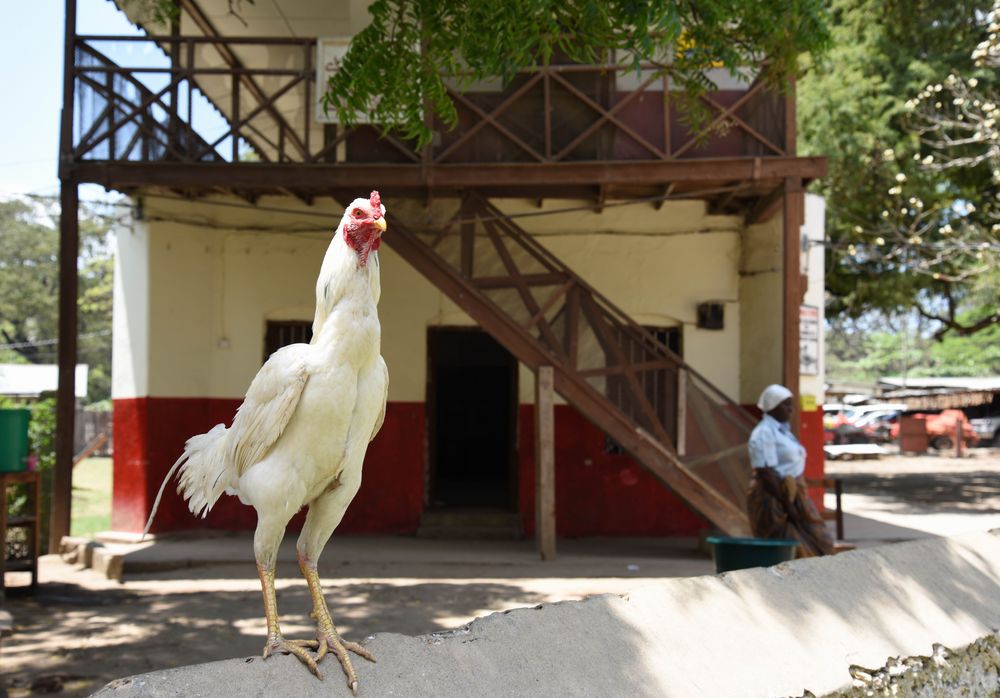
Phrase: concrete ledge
(778, 631)
(973, 670)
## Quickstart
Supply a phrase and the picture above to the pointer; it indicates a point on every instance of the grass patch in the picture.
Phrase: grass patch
(91, 510)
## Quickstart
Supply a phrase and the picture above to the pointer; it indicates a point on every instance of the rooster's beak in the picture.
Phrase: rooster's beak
(380, 224)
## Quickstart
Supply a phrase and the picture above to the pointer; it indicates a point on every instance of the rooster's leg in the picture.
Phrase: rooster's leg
(324, 515)
(267, 538)
(275, 640)
(327, 637)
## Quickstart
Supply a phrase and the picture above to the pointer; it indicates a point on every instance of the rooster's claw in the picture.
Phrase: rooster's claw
(295, 647)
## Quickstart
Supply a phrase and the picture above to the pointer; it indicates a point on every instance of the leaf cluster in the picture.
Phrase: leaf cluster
(890, 233)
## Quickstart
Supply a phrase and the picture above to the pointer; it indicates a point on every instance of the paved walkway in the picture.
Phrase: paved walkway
(892, 499)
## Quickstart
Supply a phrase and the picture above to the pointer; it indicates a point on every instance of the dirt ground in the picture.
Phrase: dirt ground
(82, 630)
(898, 498)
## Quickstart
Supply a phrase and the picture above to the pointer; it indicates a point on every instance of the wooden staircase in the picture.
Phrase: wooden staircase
(616, 373)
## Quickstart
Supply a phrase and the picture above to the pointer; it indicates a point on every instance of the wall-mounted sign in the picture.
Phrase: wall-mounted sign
(330, 52)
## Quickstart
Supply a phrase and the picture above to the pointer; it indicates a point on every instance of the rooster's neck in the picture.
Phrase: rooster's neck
(344, 284)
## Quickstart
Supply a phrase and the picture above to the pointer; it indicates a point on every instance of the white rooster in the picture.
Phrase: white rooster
(300, 436)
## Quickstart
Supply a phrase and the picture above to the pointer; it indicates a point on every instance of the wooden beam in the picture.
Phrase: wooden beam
(230, 58)
(791, 131)
(69, 59)
(790, 291)
(69, 250)
(487, 282)
(467, 231)
(718, 205)
(490, 118)
(682, 401)
(664, 194)
(766, 206)
(602, 195)
(309, 177)
(545, 464)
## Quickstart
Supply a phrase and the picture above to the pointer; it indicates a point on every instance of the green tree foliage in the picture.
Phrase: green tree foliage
(901, 231)
(29, 291)
(42, 436)
(397, 66)
(867, 349)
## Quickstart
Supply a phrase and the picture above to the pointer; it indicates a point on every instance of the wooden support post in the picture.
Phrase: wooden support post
(175, 65)
(959, 422)
(791, 290)
(545, 466)
(682, 380)
(69, 248)
(69, 251)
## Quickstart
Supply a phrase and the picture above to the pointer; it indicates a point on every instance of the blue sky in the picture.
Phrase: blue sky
(31, 62)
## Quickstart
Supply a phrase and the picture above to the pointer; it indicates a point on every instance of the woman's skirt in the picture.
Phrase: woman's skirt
(773, 515)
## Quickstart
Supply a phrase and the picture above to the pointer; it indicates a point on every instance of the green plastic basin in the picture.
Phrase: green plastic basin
(742, 553)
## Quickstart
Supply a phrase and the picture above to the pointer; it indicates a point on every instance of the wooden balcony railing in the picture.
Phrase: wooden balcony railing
(265, 91)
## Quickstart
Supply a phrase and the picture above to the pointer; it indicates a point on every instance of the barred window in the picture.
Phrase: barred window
(280, 333)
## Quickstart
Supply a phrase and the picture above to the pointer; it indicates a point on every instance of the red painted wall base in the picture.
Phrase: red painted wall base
(150, 435)
(596, 493)
(811, 436)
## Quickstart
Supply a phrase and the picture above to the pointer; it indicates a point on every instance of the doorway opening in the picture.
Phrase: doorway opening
(472, 412)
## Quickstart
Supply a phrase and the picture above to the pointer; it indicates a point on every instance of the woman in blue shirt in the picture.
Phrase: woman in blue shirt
(778, 503)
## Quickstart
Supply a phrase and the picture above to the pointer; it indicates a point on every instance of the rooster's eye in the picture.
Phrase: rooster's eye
(358, 213)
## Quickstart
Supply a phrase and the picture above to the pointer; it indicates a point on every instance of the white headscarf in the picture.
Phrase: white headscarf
(773, 396)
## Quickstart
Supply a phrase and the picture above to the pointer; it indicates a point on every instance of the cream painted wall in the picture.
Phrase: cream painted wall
(660, 279)
(217, 273)
(130, 319)
(760, 309)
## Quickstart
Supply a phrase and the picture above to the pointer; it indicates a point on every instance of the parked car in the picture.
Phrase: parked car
(853, 424)
(878, 424)
(987, 430)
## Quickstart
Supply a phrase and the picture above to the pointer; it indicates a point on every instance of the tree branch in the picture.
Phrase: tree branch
(950, 324)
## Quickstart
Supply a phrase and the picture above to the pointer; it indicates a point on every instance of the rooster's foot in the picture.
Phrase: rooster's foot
(296, 647)
(332, 642)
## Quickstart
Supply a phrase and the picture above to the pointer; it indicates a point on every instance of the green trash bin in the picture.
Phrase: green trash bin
(732, 553)
(14, 439)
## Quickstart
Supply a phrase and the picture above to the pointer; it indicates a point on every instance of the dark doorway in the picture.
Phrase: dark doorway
(473, 413)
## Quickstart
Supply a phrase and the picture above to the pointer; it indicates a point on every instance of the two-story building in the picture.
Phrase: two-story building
(572, 224)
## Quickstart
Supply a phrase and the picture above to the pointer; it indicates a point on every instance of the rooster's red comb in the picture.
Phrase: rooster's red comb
(375, 200)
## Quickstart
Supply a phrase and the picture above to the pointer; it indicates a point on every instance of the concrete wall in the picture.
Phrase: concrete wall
(801, 626)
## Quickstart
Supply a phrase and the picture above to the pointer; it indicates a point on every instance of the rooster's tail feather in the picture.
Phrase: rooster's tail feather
(203, 468)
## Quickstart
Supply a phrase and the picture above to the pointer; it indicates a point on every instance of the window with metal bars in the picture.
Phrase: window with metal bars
(659, 386)
(280, 333)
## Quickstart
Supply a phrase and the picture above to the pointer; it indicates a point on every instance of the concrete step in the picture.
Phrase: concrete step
(488, 524)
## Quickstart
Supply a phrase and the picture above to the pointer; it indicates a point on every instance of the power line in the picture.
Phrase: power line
(50, 342)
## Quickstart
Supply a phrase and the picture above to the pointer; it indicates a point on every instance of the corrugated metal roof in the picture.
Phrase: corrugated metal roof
(31, 380)
(959, 382)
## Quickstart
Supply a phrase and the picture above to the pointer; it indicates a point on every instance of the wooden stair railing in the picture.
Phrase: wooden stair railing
(616, 373)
